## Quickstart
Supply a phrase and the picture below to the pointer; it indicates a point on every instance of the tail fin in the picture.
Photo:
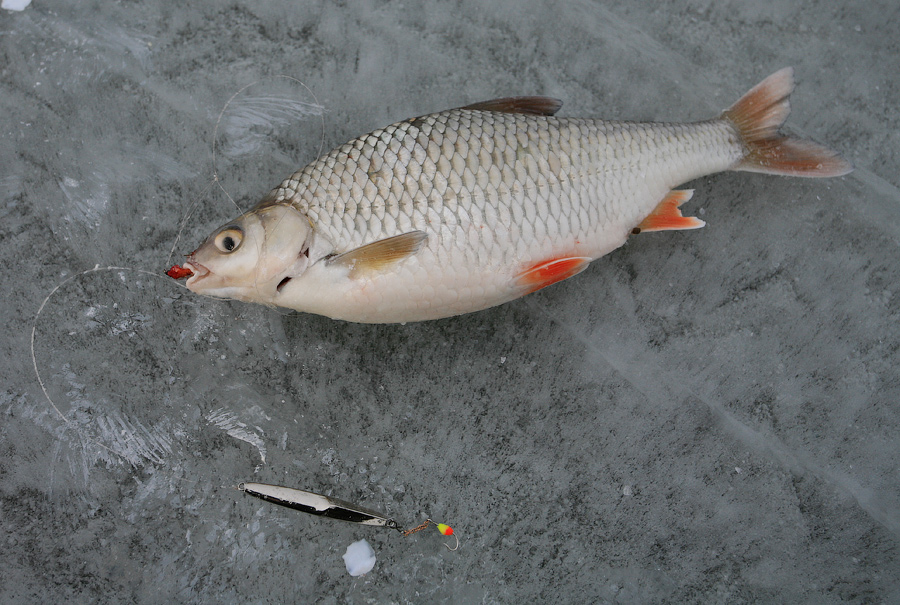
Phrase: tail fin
(757, 117)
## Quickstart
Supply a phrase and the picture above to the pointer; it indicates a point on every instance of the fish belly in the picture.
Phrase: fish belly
(497, 194)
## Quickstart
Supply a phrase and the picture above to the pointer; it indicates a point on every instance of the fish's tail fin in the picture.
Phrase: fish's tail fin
(757, 117)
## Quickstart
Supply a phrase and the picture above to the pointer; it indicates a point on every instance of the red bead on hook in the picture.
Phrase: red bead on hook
(447, 531)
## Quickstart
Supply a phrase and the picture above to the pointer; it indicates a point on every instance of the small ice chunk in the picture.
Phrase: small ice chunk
(14, 5)
(359, 558)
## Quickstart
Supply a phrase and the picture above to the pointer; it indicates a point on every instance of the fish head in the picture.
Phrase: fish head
(250, 257)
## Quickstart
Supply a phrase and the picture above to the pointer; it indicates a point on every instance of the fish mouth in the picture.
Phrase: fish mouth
(199, 271)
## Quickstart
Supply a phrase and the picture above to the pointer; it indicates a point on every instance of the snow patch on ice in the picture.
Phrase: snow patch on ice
(228, 421)
(117, 432)
(359, 558)
(132, 440)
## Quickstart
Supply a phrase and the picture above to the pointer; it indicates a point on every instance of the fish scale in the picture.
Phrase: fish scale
(464, 209)
(592, 176)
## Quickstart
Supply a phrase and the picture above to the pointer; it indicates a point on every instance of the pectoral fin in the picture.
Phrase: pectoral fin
(667, 217)
(551, 271)
(379, 255)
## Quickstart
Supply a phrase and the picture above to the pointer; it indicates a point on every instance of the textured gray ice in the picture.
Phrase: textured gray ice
(704, 416)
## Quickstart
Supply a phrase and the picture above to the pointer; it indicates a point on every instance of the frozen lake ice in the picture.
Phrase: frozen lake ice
(702, 416)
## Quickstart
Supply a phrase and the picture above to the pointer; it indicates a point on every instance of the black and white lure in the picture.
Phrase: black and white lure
(334, 508)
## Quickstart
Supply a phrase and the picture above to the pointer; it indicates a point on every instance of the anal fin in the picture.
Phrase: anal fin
(549, 272)
(379, 255)
(667, 217)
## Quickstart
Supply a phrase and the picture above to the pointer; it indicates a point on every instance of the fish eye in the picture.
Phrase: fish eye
(229, 239)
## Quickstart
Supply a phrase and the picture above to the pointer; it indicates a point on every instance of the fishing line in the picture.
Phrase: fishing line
(34, 363)
(181, 228)
(183, 224)
(214, 147)
(178, 272)
(317, 105)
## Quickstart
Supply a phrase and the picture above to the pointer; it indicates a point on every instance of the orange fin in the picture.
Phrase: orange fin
(535, 106)
(551, 271)
(667, 217)
(757, 117)
(381, 254)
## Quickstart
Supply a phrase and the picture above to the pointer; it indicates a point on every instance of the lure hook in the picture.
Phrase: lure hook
(446, 530)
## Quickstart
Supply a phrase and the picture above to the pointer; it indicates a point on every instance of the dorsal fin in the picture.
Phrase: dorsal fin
(380, 255)
(534, 106)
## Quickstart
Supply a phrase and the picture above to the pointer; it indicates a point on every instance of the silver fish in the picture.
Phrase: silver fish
(468, 208)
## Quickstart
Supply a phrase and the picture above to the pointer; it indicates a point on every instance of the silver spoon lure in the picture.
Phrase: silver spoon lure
(334, 508)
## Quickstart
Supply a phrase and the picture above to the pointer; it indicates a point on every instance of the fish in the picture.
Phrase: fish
(465, 209)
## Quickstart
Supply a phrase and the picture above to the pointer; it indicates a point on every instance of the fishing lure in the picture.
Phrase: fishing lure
(177, 272)
(334, 508)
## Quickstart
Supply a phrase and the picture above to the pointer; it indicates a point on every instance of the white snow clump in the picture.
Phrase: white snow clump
(359, 558)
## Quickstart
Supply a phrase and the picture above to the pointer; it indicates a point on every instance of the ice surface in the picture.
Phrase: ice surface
(584, 442)
(359, 558)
